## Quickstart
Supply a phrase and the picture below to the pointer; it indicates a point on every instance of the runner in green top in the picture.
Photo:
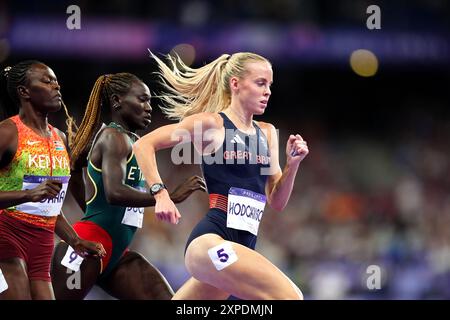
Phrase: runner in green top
(115, 195)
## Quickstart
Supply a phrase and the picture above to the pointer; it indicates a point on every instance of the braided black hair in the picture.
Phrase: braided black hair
(10, 79)
(104, 88)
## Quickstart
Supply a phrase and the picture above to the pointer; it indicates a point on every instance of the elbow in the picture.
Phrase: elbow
(141, 148)
(113, 197)
(276, 206)
(143, 144)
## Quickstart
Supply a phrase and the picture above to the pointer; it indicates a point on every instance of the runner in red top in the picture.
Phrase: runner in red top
(34, 175)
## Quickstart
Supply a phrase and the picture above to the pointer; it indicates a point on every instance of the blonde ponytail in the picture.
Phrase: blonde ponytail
(206, 89)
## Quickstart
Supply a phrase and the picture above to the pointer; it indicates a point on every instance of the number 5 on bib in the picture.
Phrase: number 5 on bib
(222, 255)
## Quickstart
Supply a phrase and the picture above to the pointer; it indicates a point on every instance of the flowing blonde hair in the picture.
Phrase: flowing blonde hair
(205, 89)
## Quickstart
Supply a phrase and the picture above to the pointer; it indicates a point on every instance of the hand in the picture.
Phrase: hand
(165, 209)
(48, 189)
(185, 189)
(84, 248)
(296, 149)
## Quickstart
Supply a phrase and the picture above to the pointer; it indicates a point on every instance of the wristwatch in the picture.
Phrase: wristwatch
(157, 187)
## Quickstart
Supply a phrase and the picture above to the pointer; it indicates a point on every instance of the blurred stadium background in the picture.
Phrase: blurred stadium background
(375, 189)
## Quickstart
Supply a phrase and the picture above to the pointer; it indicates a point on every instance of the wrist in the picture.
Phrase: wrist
(291, 166)
(73, 241)
(161, 194)
(26, 196)
(157, 188)
(70, 237)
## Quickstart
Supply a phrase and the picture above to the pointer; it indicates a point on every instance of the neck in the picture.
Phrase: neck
(34, 119)
(244, 118)
(122, 124)
(125, 128)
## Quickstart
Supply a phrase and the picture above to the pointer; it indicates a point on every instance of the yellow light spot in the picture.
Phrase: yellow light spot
(186, 53)
(364, 63)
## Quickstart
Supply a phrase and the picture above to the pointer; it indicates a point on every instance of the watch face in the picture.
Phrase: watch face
(155, 188)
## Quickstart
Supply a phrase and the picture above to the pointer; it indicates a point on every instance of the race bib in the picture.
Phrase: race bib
(46, 207)
(134, 216)
(3, 284)
(72, 260)
(245, 209)
(222, 255)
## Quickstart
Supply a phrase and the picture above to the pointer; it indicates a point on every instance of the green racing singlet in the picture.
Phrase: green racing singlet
(119, 222)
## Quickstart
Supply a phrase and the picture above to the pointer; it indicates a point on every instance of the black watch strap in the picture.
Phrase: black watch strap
(156, 187)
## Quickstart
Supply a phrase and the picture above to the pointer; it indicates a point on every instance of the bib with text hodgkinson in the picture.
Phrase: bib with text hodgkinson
(245, 209)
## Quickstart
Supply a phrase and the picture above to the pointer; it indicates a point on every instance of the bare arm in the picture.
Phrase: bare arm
(8, 142)
(166, 137)
(12, 198)
(65, 231)
(8, 147)
(115, 149)
(280, 183)
(83, 247)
